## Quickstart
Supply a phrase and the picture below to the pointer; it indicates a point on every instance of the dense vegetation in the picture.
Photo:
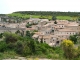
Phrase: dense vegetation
(18, 45)
(26, 46)
(45, 15)
(49, 13)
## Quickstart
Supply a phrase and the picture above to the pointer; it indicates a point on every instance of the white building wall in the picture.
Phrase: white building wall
(0, 19)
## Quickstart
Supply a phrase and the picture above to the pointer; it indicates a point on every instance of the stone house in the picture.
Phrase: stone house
(30, 29)
(0, 19)
(78, 22)
(62, 30)
(29, 22)
(75, 28)
(62, 22)
(65, 31)
(12, 30)
(47, 31)
(44, 20)
(33, 20)
(73, 24)
(42, 23)
(52, 40)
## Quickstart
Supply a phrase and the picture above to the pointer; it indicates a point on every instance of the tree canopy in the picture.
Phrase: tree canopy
(54, 18)
(73, 38)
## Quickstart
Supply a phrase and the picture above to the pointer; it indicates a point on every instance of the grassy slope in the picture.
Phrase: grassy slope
(66, 18)
(8, 54)
(45, 17)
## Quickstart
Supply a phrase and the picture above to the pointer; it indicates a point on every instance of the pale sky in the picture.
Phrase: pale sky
(9, 6)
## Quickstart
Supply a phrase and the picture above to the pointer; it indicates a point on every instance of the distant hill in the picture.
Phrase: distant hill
(23, 15)
(49, 13)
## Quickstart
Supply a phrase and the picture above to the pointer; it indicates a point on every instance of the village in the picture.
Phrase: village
(39, 30)
(52, 32)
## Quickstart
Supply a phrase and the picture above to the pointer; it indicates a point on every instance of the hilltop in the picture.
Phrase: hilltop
(44, 15)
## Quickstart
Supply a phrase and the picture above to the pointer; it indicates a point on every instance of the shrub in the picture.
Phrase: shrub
(1, 35)
(49, 56)
(10, 37)
(19, 47)
(69, 50)
(3, 46)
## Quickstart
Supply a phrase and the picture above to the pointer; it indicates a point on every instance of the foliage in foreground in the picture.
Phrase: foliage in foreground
(70, 51)
(28, 47)
(24, 46)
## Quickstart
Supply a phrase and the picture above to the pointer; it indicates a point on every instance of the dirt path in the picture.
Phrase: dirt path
(23, 58)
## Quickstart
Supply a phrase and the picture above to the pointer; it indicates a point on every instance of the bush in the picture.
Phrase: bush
(73, 38)
(49, 56)
(19, 47)
(26, 46)
(3, 46)
(10, 37)
(39, 52)
(11, 46)
(70, 51)
(1, 35)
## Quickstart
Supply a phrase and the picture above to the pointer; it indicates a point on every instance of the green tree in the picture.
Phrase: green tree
(1, 35)
(69, 49)
(10, 37)
(28, 25)
(55, 22)
(54, 18)
(29, 34)
(79, 19)
(19, 47)
(3, 46)
(17, 32)
(78, 40)
(73, 38)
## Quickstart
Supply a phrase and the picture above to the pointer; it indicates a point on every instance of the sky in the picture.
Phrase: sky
(9, 6)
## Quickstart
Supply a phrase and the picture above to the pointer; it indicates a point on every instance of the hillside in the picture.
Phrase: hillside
(45, 15)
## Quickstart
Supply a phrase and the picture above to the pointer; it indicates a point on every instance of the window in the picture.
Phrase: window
(41, 41)
(57, 42)
(50, 41)
(73, 32)
(52, 30)
(44, 41)
(51, 37)
(70, 33)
